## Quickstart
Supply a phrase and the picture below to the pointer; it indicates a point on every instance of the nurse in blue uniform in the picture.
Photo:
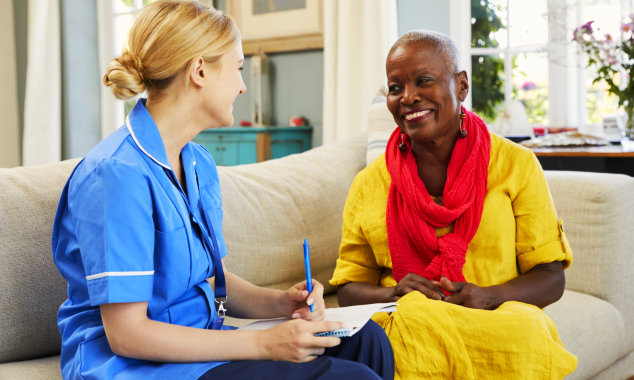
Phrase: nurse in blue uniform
(138, 232)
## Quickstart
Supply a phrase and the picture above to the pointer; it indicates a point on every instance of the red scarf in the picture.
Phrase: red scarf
(412, 214)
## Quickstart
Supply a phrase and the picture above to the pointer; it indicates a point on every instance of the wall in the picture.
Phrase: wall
(9, 129)
(423, 14)
(296, 81)
(296, 84)
(297, 78)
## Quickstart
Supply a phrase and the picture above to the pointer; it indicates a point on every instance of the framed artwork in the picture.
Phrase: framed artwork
(272, 26)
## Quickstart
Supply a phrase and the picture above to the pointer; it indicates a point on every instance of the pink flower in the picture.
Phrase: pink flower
(627, 27)
(608, 38)
(611, 59)
(588, 26)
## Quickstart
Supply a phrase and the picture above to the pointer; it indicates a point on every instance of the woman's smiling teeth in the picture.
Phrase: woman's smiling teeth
(416, 115)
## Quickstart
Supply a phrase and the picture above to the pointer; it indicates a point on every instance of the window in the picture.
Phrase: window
(115, 19)
(523, 59)
(607, 16)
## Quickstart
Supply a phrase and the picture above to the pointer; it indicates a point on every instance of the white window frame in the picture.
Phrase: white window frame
(566, 70)
(112, 109)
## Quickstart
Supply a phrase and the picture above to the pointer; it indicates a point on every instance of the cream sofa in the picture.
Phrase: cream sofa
(271, 207)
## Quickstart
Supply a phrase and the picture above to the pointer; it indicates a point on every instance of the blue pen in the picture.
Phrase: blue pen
(309, 280)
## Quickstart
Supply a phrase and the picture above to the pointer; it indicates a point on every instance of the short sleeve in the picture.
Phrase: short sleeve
(112, 212)
(540, 238)
(356, 262)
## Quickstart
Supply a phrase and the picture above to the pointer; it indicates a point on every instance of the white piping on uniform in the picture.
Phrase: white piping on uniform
(127, 124)
(120, 274)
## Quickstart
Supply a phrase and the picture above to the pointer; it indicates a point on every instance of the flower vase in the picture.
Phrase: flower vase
(629, 125)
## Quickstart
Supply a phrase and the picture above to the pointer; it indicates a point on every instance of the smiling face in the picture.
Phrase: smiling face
(424, 95)
(224, 84)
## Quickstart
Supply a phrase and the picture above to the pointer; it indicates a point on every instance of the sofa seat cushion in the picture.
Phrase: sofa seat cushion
(42, 369)
(590, 328)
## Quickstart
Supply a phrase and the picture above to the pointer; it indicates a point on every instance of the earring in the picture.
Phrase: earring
(402, 147)
(462, 133)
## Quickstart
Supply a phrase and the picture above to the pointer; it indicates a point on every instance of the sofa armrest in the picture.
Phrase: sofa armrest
(598, 214)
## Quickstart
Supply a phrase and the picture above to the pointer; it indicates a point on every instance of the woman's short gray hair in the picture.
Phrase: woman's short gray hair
(446, 45)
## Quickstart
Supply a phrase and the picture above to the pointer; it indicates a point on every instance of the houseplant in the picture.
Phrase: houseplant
(614, 61)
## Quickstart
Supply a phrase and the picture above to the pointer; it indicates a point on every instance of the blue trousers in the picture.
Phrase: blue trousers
(366, 355)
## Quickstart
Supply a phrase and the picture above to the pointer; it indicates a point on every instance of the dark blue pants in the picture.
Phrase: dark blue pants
(366, 355)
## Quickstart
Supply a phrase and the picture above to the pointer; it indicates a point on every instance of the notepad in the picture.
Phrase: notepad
(353, 318)
(340, 333)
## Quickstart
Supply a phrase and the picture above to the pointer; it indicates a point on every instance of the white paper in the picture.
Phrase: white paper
(353, 317)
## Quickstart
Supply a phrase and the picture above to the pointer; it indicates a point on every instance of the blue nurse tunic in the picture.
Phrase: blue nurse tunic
(125, 231)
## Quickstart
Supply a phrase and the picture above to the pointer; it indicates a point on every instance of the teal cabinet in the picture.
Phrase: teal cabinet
(246, 145)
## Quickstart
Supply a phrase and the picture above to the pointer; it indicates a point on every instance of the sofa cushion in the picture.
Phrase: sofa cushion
(41, 369)
(380, 126)
(590, 328)
(270, 207)
(31, 288)
(597, 212)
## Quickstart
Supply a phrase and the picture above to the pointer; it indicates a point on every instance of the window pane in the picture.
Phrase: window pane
(528, 22)
(488, 21)
(530, 85)
(122, 25)
(123, 6)
(599, 102)
(487, 85)
(607, 16)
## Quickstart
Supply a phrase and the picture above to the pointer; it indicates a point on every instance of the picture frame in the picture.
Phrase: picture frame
(297, 25)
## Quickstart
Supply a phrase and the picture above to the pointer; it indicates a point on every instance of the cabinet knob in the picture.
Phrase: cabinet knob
(223, 149)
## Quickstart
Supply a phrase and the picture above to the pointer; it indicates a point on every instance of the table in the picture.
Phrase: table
(604, 159)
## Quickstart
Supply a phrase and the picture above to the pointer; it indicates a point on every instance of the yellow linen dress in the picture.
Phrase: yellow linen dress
(438, 340)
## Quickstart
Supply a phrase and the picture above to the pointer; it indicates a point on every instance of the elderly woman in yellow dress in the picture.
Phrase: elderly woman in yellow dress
(458, 225)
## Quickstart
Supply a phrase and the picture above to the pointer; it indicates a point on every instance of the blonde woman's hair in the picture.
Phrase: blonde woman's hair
(165, 38)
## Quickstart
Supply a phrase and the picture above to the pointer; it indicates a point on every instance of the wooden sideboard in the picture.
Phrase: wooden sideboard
(246, 145)
(605, 159)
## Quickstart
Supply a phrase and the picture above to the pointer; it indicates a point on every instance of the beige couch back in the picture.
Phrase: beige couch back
(31, 288)
(598, 214)
(270, 207)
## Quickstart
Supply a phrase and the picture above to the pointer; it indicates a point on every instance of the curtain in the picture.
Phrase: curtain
(42, 136)
(357, 37)
(10, 128)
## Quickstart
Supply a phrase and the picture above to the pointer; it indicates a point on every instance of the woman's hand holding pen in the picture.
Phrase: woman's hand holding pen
(296, 300)
(295, 341)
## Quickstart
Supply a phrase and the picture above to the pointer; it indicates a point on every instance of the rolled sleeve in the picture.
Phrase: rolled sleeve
(112, 211)
(539, 233)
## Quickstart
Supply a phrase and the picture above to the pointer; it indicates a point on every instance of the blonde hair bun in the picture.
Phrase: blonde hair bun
(165, 38)
(125, 76)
